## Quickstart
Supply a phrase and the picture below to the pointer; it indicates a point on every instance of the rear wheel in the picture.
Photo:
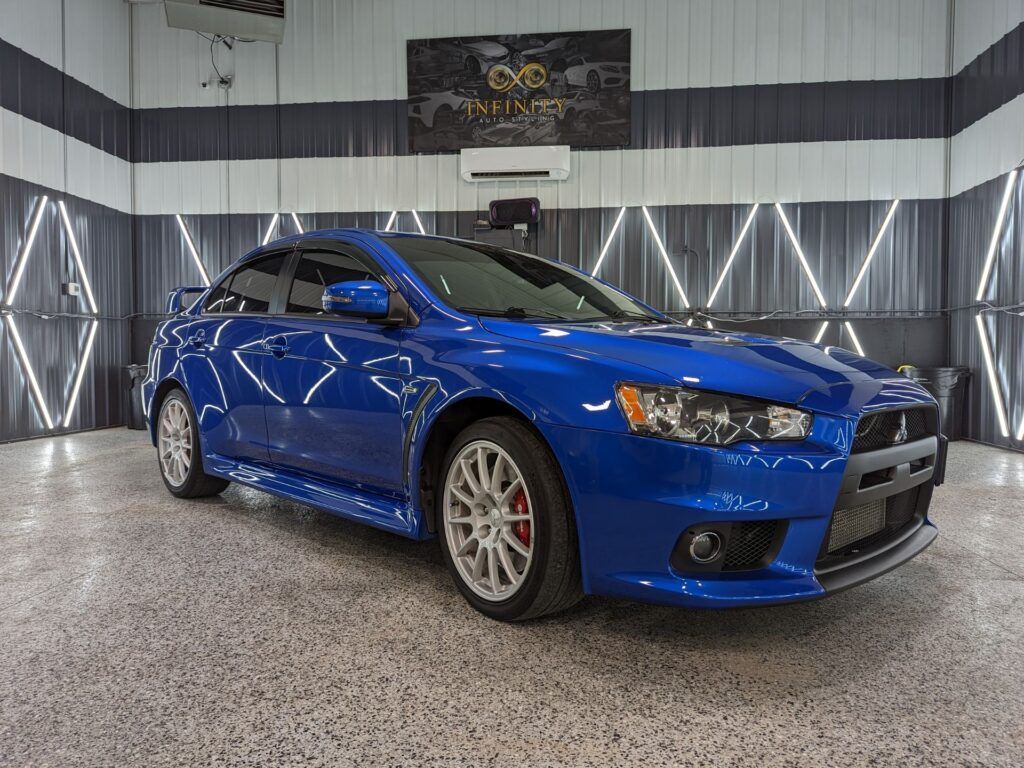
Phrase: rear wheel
(177, 441)
(507, 530)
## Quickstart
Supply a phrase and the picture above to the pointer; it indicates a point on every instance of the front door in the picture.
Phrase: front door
(224, 357)
(333, 389)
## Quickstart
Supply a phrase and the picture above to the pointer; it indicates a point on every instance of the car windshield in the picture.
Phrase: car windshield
(486, 280)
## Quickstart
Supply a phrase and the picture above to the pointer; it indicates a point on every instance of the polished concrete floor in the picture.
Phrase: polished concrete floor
(139, 629)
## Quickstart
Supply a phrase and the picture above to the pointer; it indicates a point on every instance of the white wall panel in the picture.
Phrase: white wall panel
(31, 151)
(979, 23)
(857, 170)
(97, 44)
(97, 176)
(95, 48)
(354, 50)
(34, 27)
(988, 148)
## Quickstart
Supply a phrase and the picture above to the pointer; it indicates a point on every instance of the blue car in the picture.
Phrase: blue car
(557, 436)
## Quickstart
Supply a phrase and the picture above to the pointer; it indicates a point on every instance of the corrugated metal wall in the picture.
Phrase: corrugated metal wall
(57, 90)
(987, 101)
(832, 108)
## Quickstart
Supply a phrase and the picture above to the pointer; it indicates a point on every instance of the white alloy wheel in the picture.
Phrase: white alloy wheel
(488, 519)
(175, 442)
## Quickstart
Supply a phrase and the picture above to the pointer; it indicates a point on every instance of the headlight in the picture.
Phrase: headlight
(705, 417)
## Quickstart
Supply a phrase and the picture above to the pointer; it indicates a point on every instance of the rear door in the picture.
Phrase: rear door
(334, 391)
(224, 359)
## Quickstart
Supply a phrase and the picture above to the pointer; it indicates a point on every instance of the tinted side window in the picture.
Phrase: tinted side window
(252, 286)
(215, 299)
(318, 269)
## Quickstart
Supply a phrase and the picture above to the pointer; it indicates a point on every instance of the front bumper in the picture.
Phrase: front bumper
(636, 499)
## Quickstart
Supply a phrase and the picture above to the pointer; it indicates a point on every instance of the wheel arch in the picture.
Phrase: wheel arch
(444, 425)
(162, 390)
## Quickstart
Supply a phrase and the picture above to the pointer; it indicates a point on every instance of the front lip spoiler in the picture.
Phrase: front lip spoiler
(846, 575)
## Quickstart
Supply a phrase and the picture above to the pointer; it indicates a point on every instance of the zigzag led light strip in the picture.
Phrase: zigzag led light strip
(86, 356)
(394, 216)
(983, 338)
(657, 241)
(277, 220)
(796, 247)
(192, 248)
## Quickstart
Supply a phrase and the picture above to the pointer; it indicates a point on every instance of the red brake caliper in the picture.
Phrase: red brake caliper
(521, 528)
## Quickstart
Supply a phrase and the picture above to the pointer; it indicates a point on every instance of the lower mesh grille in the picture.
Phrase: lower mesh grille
(749, 544)
(854, 524)
(860, 528)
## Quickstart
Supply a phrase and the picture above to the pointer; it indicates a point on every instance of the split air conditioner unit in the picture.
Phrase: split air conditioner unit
(247, 19)
(515, 163)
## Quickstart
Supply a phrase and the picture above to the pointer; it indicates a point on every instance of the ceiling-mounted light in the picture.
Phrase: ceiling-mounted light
(192, 248)
(854, 339)
(664, 256)
(993, 378)
(608, 241)
(800, 254)
(270, 229)
(871, 253)
(298, 225)
(27, 367)
(391, 221)
(19, 266)
(418, 222)
(990, 257)
(83, 276)
(80, 373)
(732, 254)
(821, 332)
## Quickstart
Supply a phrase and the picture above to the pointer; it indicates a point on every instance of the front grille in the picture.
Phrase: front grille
(857, 529)
(854, 524)
(749, 544)
(879, 430)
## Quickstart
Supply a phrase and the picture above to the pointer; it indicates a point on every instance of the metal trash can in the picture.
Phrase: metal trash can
(949, 387)
(134, 416)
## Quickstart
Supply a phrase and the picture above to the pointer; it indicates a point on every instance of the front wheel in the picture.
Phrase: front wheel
(177, 444)
(507, 530)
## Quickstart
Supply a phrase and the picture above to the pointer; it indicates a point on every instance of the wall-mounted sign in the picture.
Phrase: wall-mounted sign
(510, 90)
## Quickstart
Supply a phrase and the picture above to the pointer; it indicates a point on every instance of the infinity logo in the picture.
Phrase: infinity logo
(501, 78)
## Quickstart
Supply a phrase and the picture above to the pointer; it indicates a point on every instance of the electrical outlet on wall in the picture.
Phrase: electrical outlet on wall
(70, 289)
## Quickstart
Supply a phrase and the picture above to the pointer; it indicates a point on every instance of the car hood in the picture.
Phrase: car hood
(778, 369)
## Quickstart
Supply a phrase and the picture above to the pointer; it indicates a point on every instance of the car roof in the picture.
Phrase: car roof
(338, 233)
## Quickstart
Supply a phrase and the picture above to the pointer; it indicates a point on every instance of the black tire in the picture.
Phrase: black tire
(553, 582)
(197, 483)
(593, 81)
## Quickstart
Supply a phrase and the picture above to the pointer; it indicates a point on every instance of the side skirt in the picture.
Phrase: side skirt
(377, 511)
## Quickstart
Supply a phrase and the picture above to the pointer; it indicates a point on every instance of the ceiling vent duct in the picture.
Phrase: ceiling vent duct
(247, 19)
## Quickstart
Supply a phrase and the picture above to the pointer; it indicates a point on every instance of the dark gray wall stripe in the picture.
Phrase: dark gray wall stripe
(674, 118)
(36, 90)
(678, 118)
(993, 78)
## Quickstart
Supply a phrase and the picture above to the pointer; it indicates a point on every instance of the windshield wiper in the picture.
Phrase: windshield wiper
(624, 314)
(513, 312)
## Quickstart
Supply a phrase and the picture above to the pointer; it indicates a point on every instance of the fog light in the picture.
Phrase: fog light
(705, 547)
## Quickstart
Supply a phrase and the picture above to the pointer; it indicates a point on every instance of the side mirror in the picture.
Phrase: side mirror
(181, 299)
(357, 298)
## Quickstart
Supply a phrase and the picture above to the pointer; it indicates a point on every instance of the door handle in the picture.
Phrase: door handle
(277, 347)
(197, 339)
